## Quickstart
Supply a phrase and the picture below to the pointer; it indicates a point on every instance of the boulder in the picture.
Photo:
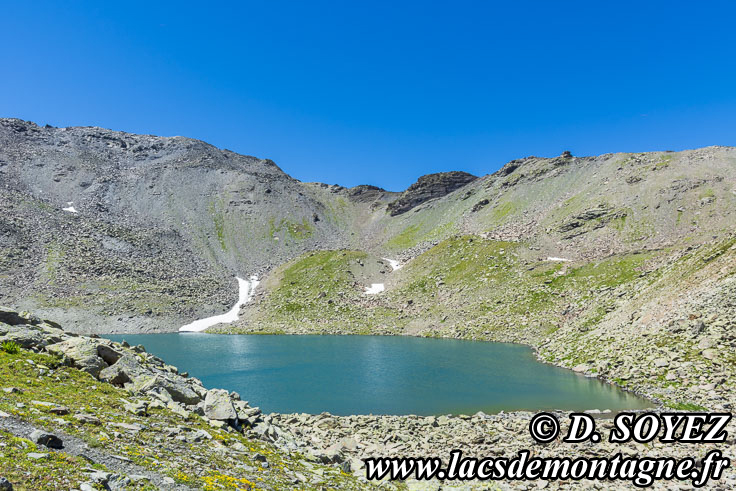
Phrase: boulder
(5, 485)
(177, 389)
(13, 318)
(124, 370)
(26, 336)
(245, 412)
(705, 343)
(139, 408)
(59, 410)
(86, 419)
(710, 354)
(219, 406)
(46, 439)
(108, 354)
(83, 353)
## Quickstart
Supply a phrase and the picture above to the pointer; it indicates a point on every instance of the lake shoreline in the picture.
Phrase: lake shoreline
(340, 441)
(263, 367)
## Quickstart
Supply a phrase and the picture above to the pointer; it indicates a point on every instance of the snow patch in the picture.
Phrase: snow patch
(375, 288)
(558, 259)
(247, 290)
(69, 207)
(394, 263)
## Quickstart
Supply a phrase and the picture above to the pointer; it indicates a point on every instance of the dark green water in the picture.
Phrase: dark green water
(381, 374)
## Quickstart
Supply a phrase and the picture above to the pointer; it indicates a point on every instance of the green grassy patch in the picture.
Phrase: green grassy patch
(40, 377)
(57, 470)
(502, 210)
(294, 230)
(405, 239)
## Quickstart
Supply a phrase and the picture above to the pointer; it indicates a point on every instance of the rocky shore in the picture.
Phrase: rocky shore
(217, 426)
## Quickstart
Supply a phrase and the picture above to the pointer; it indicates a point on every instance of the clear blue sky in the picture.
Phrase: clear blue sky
(380, 92)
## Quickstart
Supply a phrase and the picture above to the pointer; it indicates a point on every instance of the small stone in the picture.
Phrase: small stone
(705, 343)
(139, 408)
(37, 456)
(86, 419)
(129, 426)
(200, 435)
(220, 425)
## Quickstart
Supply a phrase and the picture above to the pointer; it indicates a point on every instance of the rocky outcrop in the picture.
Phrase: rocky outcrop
(429, 187)
(133, 369)
(83, 352)
(365, 193)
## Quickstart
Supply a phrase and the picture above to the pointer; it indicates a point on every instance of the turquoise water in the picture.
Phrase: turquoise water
(381, 374)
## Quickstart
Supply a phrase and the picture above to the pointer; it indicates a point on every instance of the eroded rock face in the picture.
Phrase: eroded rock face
(365, 193)
(429, 187)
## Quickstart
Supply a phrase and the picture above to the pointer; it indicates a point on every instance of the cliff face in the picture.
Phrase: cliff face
(429, 187)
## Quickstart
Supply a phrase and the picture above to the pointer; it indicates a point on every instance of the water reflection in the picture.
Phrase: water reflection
(381, 375)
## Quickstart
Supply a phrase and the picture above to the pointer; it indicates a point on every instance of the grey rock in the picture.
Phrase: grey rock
(83, 353)
(46, 439)
(108, 354)
(219, 406)
(429, 187)
(28, 337)
(139, 408)
(87, 419)
(177, 388)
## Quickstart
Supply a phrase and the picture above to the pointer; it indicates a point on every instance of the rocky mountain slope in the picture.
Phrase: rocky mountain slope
(146, 232)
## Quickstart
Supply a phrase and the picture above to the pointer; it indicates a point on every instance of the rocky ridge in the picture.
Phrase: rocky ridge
(429, 187)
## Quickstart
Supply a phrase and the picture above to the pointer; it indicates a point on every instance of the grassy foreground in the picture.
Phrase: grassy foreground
(222, 459)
